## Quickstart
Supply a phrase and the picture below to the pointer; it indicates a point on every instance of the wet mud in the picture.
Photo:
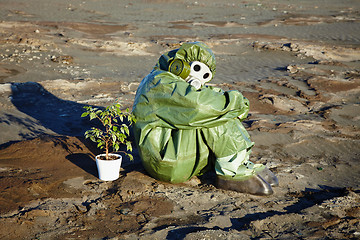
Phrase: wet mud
(298, 63)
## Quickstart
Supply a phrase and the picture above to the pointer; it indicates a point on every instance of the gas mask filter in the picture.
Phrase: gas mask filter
(196, 73)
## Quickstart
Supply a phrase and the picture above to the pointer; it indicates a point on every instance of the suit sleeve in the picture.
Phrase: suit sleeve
(176, 103)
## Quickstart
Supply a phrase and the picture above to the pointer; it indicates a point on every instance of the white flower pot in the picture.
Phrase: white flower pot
(109, 170)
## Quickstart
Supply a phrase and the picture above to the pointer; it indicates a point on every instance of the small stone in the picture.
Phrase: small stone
(125, 211)
(81, 208)
(294, 47)
(292, 69)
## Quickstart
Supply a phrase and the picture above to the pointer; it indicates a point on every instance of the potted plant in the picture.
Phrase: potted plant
(113, 133)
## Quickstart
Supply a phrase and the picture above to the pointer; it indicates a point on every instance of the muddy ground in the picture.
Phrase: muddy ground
(298, 62)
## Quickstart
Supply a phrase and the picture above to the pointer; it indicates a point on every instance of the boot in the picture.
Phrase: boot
(255, 185)
(269, 176)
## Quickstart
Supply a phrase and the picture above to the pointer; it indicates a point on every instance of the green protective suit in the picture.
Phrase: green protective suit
(181, 132)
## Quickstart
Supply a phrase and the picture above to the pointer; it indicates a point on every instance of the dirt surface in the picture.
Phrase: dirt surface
(298, 62)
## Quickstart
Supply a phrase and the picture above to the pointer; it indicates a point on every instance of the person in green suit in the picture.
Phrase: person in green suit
(185, 128)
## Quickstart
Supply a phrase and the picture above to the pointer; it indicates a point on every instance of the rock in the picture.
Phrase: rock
(135, 184)
(284, 103)
(331, 222)
(292, 69)
(125, 211)
(219, 221)
(353, 212)
(81, 208)
(216, 235)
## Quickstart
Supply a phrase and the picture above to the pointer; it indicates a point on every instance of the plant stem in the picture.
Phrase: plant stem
(106, 150)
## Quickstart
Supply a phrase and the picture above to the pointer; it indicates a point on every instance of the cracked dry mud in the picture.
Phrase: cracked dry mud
(297, 62)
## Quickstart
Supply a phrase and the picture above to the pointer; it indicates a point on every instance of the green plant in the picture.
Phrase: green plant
(114, 132)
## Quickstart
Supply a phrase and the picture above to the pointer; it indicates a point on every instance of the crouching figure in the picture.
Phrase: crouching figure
(184, 127)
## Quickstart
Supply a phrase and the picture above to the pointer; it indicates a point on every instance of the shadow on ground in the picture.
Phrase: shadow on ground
(306, 199)
(62, 117)
(84, 161)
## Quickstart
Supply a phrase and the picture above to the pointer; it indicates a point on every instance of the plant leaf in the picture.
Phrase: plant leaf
(116, 147)
(128, 146)
(127, 130)
(84, 114)
(92, 116)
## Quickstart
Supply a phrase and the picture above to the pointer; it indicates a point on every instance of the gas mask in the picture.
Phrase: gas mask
(196, 73)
